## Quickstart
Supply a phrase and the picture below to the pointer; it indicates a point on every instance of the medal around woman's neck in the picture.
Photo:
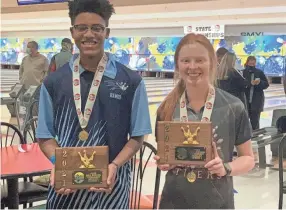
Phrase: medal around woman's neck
(185, 142)
(84, 118)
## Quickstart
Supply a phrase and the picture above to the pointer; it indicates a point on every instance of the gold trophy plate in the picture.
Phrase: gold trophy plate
(81, 167)
(187, 143)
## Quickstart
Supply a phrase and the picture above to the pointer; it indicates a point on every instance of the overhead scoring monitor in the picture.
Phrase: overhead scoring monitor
(28, 2)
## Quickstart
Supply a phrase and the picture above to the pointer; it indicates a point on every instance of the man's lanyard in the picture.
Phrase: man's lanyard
(84, 118)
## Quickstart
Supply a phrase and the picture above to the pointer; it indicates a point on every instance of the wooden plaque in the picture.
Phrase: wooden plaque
(187, 143)
(81, 167)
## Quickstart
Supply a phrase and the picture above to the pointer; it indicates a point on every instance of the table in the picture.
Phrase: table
(16, 163)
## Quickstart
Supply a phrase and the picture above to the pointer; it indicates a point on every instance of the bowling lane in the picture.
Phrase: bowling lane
(275, 93)
(157, 89)
(274, 103)
(156, 94)
(8, 79)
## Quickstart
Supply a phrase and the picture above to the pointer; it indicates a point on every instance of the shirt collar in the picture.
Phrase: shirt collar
(110, 70)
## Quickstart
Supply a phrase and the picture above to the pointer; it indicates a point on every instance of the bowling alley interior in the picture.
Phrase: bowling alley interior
(144, 36)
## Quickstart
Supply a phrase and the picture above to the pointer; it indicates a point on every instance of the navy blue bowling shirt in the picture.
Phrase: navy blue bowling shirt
(120, 110)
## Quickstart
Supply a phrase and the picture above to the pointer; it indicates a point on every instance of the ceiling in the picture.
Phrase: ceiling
(11, 6)
(149, 14)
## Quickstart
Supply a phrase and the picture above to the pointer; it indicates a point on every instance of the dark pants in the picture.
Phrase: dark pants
(254, 117)
(178, 193)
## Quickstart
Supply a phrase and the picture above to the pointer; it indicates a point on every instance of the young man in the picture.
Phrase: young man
(72, 110)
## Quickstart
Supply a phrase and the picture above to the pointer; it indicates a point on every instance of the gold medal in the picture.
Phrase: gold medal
(191, 177)
(83, 135)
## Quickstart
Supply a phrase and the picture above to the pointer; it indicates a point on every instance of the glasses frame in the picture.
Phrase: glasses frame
(103, 28)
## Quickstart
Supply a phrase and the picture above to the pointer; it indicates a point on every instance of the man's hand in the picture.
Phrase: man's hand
(216, 166)
(112, 171)
(163, 167)
(62, 190)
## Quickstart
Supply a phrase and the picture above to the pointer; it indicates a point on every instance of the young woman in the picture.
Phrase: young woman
(211, 186)
(229, 79)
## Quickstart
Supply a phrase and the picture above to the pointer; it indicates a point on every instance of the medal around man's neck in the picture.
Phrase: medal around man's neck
(84, 117)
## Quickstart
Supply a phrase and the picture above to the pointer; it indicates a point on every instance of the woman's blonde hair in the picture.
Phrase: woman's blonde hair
(227, 64)
(166, 110)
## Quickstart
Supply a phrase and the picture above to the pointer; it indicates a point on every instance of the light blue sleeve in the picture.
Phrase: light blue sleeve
(140, 116)
(45, 128)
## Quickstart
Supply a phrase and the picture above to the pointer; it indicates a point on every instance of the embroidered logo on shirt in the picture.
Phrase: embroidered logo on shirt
(116, 88)
(115, 96)
(122, 85)
(114, 85)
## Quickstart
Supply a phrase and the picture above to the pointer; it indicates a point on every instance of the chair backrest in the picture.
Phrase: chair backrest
(10, 135)
(281, 124)
(34, 110)
(30, 130)
(141, 162)
(281, 170)
(277, 113)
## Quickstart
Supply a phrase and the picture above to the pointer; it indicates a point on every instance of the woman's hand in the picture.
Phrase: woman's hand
(163, 167)
(216, 166)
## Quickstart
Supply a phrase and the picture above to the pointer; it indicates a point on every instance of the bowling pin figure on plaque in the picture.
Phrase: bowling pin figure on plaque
(81, 167)
(187, 143)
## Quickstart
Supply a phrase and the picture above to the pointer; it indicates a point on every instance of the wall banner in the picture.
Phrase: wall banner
(209, 31)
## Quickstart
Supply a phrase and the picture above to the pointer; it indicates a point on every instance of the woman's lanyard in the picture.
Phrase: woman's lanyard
(207, 109)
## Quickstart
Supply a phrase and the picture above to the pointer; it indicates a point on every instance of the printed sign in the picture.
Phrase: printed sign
(209, 31)
(251, 33)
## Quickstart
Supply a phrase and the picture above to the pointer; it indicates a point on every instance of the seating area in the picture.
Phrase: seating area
(15, 193)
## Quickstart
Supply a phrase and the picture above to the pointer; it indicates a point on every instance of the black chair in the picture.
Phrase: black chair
(277, 113)
(30, 130)
(282, 183)
(30, 136)
(13, 132)
(138, 166)
(33, 109)
(29, 192)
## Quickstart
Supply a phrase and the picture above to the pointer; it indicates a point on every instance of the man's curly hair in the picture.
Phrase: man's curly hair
(103, 8)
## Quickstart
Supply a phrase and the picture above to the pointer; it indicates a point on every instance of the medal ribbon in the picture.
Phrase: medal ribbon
(207, 110)
(84, 118)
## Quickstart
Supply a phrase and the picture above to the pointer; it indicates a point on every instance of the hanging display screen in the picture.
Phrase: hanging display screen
(29, 2)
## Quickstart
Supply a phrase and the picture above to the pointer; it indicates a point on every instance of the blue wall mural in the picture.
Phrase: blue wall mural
(157, 53)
